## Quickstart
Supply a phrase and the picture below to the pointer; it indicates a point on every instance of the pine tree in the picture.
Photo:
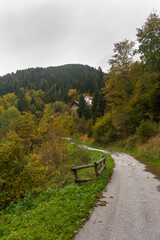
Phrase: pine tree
(81, 106)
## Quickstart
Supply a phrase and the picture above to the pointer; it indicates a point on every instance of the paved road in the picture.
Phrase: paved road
(132, 211)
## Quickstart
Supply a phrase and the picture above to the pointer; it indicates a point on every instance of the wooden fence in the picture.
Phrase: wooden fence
(101, 162)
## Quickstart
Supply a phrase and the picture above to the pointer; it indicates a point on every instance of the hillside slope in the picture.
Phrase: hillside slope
(54, 80)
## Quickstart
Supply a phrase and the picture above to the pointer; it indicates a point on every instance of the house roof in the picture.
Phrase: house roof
(91, 98)
(75, 103)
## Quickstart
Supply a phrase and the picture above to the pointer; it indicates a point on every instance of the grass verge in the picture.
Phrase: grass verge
(56, 213)
(148, 157)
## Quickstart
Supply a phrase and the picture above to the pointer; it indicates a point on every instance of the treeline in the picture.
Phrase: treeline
(54, 81)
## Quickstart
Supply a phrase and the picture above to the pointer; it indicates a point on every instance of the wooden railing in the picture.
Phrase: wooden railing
(101, 162)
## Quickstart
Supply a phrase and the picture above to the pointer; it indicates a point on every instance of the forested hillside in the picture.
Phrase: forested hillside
(54, 81)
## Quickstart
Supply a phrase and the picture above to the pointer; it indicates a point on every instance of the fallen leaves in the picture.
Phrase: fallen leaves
(101, 203)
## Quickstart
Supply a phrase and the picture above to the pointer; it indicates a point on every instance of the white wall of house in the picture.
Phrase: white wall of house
(88, 100)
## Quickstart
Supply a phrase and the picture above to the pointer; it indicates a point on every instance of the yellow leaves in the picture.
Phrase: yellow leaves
(73, 94)
(1, 109)
(9, 100)
(12, 163)
(101, 126)
(19, 174)
(27, 130)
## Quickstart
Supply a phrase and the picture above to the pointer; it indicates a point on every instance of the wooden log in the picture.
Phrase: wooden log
(95, 165)
(84, 180)
(104, 166)
(75, 175)
(102, 159)
(95, 168)
(82, 167)
(101, 164)
(104, 163)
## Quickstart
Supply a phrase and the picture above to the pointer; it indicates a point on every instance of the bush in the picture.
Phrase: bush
(110, 135)
(103, 130)
(146, 130)
(60, 107)
(121, 124)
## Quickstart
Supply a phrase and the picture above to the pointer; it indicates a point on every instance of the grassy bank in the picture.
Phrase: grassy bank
(139, 152)
(56, 213)
(147, 153)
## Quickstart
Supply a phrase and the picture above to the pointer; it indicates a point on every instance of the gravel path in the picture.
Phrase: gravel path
(132, 211)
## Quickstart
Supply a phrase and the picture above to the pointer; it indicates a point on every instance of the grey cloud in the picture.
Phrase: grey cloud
(47, 24)
(55, 32)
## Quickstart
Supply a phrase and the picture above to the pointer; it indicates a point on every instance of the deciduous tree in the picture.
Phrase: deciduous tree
(27, 130)
(118, 84)
(8, 120)
(73, 94)
(149, 42)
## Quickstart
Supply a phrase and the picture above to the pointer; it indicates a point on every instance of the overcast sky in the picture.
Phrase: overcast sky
(41, 33)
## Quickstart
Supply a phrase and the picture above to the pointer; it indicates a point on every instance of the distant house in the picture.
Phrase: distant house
(74, 106)
(88, 100)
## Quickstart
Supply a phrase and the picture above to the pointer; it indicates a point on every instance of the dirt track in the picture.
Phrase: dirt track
(132, 210)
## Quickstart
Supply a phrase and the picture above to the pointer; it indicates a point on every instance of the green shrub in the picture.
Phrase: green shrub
(146, 130)
(110, 135)
(101, 127)
(60, 107)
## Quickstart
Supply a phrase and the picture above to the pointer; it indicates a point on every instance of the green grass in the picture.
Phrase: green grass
(147, 156)
(55, 213)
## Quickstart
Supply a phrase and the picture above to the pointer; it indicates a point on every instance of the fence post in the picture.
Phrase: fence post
(95, 168)
(75, 175)
(104, 162)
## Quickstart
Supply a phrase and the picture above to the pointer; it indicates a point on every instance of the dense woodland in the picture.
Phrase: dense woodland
(36, 112)
(54, 81)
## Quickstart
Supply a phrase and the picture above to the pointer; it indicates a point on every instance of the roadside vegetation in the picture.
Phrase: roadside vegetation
(56, 213)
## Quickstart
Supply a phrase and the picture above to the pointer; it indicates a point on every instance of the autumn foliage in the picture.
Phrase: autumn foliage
(34, 123)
